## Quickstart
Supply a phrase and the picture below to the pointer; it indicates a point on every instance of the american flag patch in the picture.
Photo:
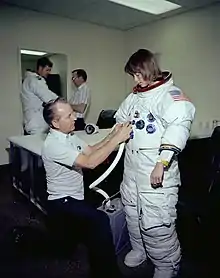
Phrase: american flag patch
(178, 95)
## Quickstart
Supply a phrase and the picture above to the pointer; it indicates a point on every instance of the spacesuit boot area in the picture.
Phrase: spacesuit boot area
(161, 116)
(137, 255)
(167, 257)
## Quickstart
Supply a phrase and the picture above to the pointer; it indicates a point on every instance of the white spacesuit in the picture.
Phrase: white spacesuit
(161, 116)
(34, 92)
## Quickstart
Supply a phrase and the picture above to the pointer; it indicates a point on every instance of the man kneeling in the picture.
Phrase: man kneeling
(64, 155)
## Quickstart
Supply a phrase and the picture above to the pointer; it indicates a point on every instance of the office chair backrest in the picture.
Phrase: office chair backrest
(106, 119)
(214, 171)
(215, 141)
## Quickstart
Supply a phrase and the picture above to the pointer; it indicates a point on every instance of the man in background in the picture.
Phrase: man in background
(34, 93)
(80, 100)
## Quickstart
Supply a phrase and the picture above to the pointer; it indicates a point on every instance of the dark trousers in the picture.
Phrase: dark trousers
(91, 227)
(79, 124)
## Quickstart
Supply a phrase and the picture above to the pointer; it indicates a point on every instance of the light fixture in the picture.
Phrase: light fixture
(155, 7)
(32, 52)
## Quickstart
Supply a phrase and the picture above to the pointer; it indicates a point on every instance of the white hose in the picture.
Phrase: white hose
(111, 167)
(106, 173)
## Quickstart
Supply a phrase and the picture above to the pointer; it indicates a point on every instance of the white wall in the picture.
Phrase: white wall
(99, 50)
(189, 45)
(60, 67)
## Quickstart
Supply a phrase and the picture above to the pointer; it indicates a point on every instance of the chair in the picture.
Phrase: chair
(200, 208)
(215, 163)
(210, 219)
(106, 119)
(195, 167)
(214, 175)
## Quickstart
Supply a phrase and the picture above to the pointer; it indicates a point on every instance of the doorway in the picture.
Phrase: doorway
(57, 80)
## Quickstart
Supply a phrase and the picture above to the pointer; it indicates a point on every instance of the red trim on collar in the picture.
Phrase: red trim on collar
(165, 77)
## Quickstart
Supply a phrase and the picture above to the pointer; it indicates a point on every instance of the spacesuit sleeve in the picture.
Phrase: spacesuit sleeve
(177, 119)
(41, 90)
(122, 114)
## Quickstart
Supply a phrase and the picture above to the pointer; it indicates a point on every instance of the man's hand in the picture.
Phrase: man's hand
(114, 131)
(156, 177)
(122, 132)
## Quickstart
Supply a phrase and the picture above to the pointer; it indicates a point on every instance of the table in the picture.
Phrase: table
(34, 143)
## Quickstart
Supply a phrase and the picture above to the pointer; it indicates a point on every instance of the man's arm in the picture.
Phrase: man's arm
(65, 155)
(41, 90)
(85, 96)
(80, 108)
(89, 149)
(95, 156)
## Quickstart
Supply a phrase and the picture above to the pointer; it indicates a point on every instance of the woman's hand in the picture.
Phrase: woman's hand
(156, 177)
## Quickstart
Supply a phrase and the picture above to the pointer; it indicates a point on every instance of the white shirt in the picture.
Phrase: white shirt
(59, 154)
(34, 92)
(81, 95)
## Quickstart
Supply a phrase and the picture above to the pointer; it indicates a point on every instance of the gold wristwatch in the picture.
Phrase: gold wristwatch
(164, 162)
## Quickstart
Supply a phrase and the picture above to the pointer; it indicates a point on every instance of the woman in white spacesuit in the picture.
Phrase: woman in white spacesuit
(161, 116)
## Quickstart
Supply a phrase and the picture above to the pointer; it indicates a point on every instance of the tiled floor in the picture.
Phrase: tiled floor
(36, 260)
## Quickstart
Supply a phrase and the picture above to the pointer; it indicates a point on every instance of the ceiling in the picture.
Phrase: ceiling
(103, 12)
